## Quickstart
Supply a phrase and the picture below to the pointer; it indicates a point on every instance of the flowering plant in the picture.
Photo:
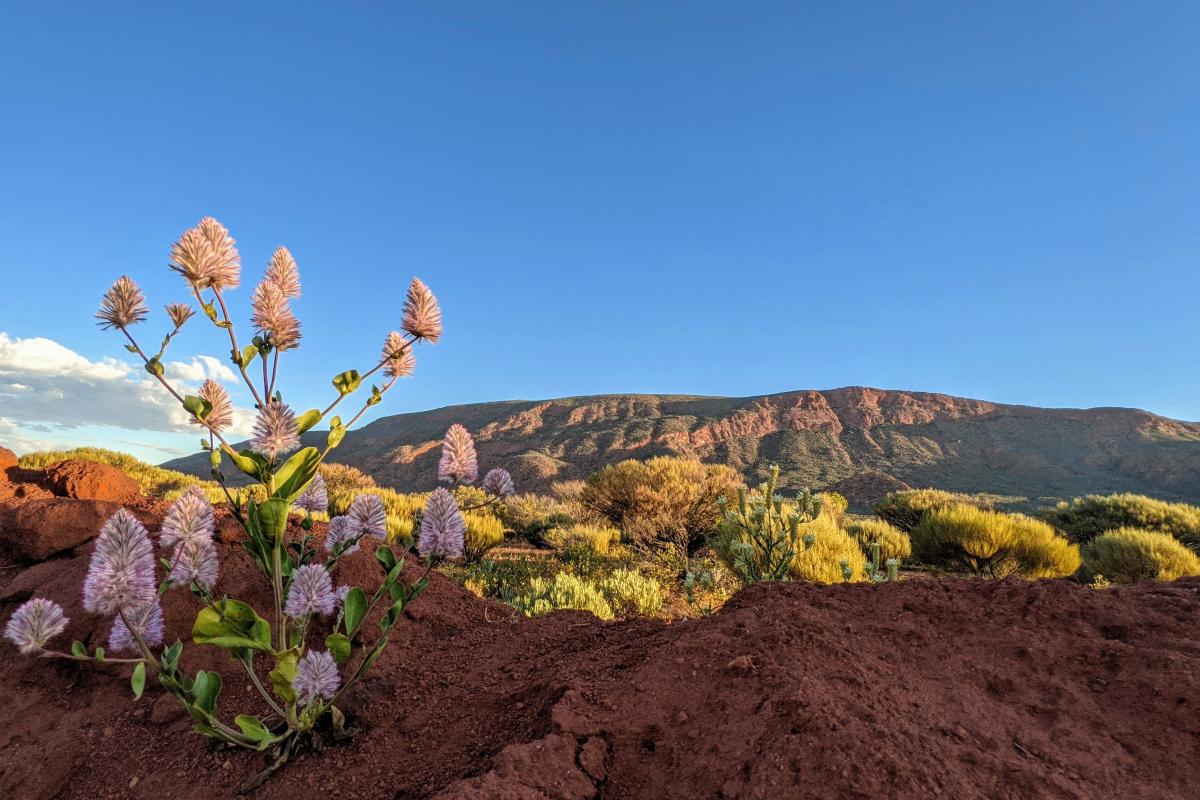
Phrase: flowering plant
(123, 577)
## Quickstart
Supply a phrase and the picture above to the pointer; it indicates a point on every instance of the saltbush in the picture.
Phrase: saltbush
(893, 542)
(563, 591)
(907, 508)
(1085, 518)
(630, 592)
(666, 504)
(983, 542)
(531, 516)
(1127, 555)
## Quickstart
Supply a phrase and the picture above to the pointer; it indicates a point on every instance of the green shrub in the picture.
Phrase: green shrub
(983, 542)
(630, 592)
(1085, 518)
(906, 509)
(827, 554)
(505, 580)
(757, 536)
(531, 516)
(154, 481)
(664, 503)
(1127, 555)
(832, 504)
(597, 538)
(484, 531)
(893, 542)
(563, 591)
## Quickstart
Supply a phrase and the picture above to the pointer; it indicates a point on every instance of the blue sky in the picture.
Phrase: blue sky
(995, 200)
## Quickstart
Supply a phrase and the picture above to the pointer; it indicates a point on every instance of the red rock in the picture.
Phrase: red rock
(37, 529)
(89, 480)
(7, 459)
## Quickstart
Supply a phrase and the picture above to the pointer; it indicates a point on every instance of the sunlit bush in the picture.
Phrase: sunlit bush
(484, 531)
(893, 542)
(1085, 518)
(982, 542)
(827, 554)
(563, 591)
(1127, 555)
(630, 592)
(597, 538)
(906, 509)
(153, 481)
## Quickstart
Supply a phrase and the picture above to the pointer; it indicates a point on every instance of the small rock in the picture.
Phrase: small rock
(228, 765)
(742, 664)
(134, 781)
(682, 717)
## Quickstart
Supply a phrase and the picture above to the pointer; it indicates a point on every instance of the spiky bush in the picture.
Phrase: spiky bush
(906, 509)
(982, 542)
(1128, 555)
(827, 554)
(757, 537)
(597, 538)
(127, 577)
(1085, 518)
(563, 591)
(832, 504)
(153, 481)
(630, 592)
(665, 504)
(893, 542)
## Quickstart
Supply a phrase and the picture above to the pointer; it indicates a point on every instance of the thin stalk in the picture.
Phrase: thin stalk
(248, 663)
(73, 657)
(233, 341)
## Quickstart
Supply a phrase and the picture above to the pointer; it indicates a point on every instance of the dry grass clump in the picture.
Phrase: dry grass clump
(969, 539)
(1128, 555)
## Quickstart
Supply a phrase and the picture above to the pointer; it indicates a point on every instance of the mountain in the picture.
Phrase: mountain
(859, 441)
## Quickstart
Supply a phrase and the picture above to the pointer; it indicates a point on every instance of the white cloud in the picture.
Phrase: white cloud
(45, 386)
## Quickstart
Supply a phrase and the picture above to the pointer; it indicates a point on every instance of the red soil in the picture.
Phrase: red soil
(925, 688)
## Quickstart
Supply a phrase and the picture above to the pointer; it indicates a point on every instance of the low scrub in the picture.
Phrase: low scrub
(893, 542)
(906, 509)
(964, 538)
(597, 538)
(1127, 555)
(484, 531)
(563, 591)
(1085, 518)
(827, 554)
(629, 592)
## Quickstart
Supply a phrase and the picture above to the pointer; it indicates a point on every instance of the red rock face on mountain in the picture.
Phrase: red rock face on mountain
(857, 440)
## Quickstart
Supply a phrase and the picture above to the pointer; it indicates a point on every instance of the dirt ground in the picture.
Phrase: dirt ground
(931, 688)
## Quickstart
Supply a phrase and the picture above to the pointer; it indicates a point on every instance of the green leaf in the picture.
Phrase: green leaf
(206, 688)
(385, 557)
(231, 625)
(335, 436)
(252, 464)
(284, 673)
(214, 458)
(209, 310)
(272, 518)
(100, 654)
(131, 348)
(170, 657)
(78, 650)
(308, 419)
(138, 680)
(347, 382)
(154, 366)
(355, 609)
(338, 645)
(198, 407)
(254, 729)
(248, 354)
(376, 396)
(295, 474)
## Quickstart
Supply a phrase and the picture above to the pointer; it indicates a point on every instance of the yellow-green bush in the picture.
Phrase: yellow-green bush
(821, 558)
(969, 539)
(832, 504)
(1085, 518)
(563, 591)
(484, 531)
(154, 481)
(906, 509)
(1127, 555)
(630, 592)
(530, 515)
(597, 538)
(664, 503)
(345, 478)
(893, 542)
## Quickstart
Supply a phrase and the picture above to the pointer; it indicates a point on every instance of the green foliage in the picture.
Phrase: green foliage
(597, 538)
(563, 591)
(630, 592)
(154, 481)
(906, 509)
(832, 504)
(826, 554)
(664, 503)
(893, 542)
(982, 542)
(1085, 518)
(1127, 555)
(484, 531)
(504, 580)
(757, 536)
(345, 478)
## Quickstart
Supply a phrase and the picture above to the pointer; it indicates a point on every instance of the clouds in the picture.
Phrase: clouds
(50, 388)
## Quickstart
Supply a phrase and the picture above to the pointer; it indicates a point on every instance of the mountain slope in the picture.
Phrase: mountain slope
(860, 441)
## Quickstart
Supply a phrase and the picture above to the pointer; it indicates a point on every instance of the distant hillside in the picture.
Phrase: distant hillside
(859, 441)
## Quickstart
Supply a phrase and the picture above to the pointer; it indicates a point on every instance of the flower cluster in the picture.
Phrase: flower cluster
(275, 431)
(442, 526)
(311, 592)
(34, 624)
(458, 463)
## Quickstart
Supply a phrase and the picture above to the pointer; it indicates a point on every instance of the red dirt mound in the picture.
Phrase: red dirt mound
(924, 688)
(7, 459)
(89, 480)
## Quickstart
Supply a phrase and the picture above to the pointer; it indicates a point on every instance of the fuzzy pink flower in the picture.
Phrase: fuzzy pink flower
(121, 572)
(458, 463)
(195, 561)
(316, 676)
(227, 264)
(179, 313)
(221, 415)
(275, 431)
(498, 482)
(123, 305)
(283, 272)
(189, 519)
(398, 359)
(273, 317)
(315, 498)
(366, 517)
(34, 624)
(147, 622)
(311, 592)
(442, 526)
(422, 316)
